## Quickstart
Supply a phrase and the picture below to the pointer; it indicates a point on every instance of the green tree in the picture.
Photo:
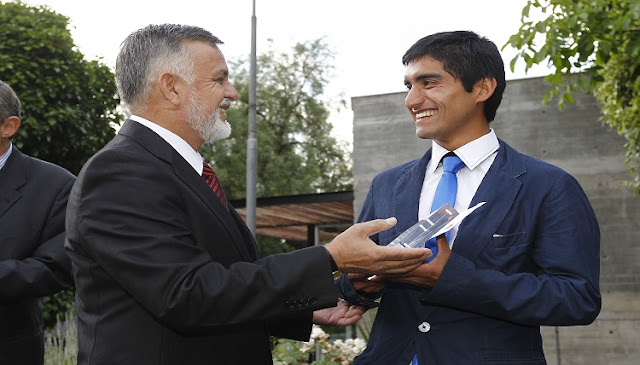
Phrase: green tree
(296, 153)
(69, 103)
(593, 45)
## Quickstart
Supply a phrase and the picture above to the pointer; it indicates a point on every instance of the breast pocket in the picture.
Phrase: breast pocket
(507, 252)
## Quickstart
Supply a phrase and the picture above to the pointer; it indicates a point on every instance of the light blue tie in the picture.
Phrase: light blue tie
(445, 192)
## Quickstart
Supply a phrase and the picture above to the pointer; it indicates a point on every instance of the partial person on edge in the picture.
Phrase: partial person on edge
(33, 264)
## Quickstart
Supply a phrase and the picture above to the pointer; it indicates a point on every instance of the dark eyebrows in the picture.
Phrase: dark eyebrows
(432, 75)
(421, 77)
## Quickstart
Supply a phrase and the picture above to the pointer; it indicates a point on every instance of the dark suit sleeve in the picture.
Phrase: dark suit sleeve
(47, 270)
(564, 249)
(295, 327)
(134, 220)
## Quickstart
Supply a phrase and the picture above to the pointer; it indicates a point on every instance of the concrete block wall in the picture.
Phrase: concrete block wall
(573, 139)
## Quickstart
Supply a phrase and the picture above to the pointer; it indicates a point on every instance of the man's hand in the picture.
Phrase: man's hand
(341, 315)
(354, 251)
(428, 274)
(367, 283)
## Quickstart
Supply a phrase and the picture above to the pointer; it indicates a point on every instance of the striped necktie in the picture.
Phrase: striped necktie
(212, 180)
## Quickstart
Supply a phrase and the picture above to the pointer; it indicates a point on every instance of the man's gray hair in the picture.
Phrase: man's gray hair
(9, 102)
(148, 52)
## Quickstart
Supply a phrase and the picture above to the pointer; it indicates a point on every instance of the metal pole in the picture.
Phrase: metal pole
(558, 347)
(252, 140)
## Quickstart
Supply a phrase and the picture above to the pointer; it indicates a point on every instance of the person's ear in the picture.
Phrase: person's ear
(171, 88)
(485, 88)
(9, 127)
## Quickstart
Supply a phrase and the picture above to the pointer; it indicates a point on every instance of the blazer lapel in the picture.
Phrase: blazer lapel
(185, 172)
(12, 176)
(246, 234)
(406, 194)
(499, 189)
(161, 149)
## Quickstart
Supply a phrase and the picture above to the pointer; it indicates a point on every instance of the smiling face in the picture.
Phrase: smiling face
(440, 106)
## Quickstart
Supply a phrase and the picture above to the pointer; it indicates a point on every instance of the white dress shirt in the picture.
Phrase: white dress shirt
(5, 156)
(181, 146)
(477, 155)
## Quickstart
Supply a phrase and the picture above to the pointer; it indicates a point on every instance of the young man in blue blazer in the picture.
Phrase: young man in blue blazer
(528, 257)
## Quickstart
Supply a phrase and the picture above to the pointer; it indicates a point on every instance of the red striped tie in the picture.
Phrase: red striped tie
(212, 180)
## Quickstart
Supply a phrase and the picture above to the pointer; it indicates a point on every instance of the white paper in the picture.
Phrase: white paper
(458, 219)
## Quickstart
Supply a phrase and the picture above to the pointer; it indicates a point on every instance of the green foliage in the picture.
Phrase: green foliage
(320, 350)
(593, 45)
(296, 154)
(69, 103)
(55, 307)
(289, 352)
(619, 95)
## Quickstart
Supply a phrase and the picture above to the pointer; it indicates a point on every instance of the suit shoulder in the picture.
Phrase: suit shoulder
(399, 169)
(119, 149)
(533, 166)
(540, 173)
(47, 170)
(537, 166)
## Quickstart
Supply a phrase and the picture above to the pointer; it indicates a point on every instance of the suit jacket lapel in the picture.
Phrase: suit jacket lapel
(161, 149)
(407, 193)
(499, 189)
(185, 172)
(12, 176)
(246, 234)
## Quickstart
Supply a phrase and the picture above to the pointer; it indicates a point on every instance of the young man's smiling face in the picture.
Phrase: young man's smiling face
(440, 106)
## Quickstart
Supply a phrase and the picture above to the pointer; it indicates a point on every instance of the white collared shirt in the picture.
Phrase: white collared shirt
(5, 156)
(477, 155)
(181, 146)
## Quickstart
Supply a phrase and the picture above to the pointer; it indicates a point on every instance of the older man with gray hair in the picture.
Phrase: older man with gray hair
(166, 271)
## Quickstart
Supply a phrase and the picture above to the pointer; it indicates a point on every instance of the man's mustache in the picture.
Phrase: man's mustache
(225, 103)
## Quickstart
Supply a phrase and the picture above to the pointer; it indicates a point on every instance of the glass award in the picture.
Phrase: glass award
(422, 231)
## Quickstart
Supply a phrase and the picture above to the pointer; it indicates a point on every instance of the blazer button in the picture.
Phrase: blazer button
(424, 327)
(313, 300)
(289, 304)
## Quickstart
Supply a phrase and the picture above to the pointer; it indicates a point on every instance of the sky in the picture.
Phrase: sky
(368, 37)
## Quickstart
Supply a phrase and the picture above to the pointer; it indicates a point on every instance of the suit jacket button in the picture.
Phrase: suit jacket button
(424, 327)
(313, 300)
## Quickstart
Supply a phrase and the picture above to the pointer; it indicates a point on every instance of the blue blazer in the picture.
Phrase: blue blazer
(529, 257)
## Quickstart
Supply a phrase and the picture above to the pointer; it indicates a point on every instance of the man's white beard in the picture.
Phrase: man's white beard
(210, 127)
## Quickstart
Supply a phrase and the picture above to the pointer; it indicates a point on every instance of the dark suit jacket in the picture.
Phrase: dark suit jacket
(166, 275)
(33, 197)
(528, 257)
